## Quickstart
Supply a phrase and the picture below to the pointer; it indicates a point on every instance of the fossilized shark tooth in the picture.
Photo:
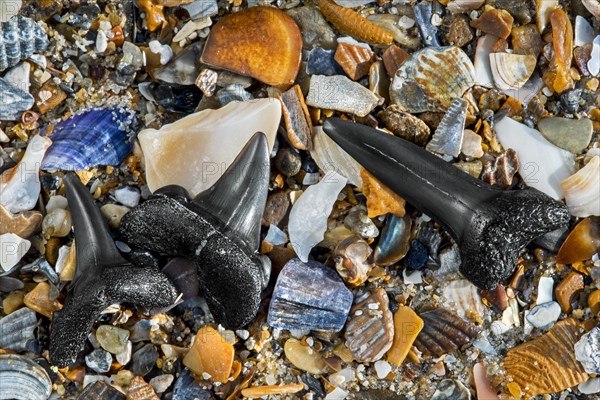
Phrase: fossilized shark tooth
(490, 225)
(102, 278)
(219, 229)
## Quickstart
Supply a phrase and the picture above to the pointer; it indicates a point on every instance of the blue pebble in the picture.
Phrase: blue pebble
(321, 62)
(417, 255)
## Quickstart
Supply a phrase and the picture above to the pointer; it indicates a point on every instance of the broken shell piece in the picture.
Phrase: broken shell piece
(543, 169)
(547, 364)
(444, 332)
(351, 23)
(593, 6)
(245, 41)
(23, 224)
(485, 391)
(542, 12)
(391, 23)
(39, 300)
(448, 137)
(511, 71)
(393, 57)
(12, 248)
(568, 289)
(308, 217)
(193, 153)
(23, 378)
(21, 38)
(558, 77)
(210, 356)
(582, 190)
(331, 157)
(582, 243)
(483, 70)
(407, 325)
(352, 260)
(370, 328)
(471, 146)
(354, 60)
(340, 93)
(20, 186)
(14, 101)
(297, 120)
(207, 81)
(584, 32)
(139, 389)
(256, 392)
(309, 296)
(465, 297)
(304, 357)
(153, 9)
(380, 199)
(502, 170)
(416, 85)
(16, 329)
(587, 351)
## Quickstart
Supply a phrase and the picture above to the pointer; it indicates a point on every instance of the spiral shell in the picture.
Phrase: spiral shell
(20, 37)
(23, 379)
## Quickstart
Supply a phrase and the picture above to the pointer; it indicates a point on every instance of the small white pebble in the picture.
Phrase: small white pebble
(382, 368)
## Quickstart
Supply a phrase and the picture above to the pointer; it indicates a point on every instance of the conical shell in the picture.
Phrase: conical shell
(23, 379)
(16, 329)
(547, 364)
(20, 37)
(582, 190)
(196, 150)
(511, 71)
(431, 78)
(444, 332)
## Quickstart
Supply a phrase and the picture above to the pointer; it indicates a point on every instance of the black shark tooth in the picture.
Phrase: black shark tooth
(102, 278)
(219, 230)
(489, 224)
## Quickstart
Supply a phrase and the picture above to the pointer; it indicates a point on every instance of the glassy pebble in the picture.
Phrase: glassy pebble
(309, 296)
(16, 329)
(450, 389)
(186, 387)
(394, 240)
(113, 214)
(370, 328)
(20, 37)
(143, 360)
(23, 379)
(444, 332)
(57, 223)
(111, 338)
(544, 315)
(99, 360)
(162, 382)
(100, 390)
(359, 222)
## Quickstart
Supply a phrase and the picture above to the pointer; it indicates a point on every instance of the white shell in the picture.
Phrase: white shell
(542, 13)
(483, 71)
(584, 33)
(542, 164)
(511, 71)
(196, 150)
(20, 188)
(23, 379)
(308, 217)
(593, 6)
(594, 63)
(12, 249)
(461, 6)
(582, 190)
(331, 157)
(465, 297)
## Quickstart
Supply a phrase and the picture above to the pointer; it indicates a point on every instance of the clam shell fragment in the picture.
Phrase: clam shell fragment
(331, 157)
(23, 379)
(511, 71)
(16, 329)
(444, 332)
(582, 190)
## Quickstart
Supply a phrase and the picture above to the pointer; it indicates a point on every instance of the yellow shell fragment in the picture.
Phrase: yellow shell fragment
(211, 356)
(407, 325)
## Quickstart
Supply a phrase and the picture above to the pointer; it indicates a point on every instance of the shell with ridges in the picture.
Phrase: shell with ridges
(511, 71)
(16, 329)
(23, 379)
(582, 190)
(20, 37)
(547, 364)
(431, 78)
(444, 332)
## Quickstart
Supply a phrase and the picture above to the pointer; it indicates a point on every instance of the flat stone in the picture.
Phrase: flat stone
(570, 134)
(341, 94)
(544, 315)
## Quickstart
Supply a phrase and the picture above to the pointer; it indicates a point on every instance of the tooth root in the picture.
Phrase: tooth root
(72, 325)
(238, 198)
(95, 246)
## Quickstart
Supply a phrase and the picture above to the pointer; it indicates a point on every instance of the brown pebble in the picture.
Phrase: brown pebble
(459, 33)
(492, 100)
(354, 60)
(496, 297)
(444, 332)
(558, 77)
(23, 224)
(494, 21)
(568, 289)
(49, 97)
(526, 39)
(140, 390)
(583, 55)
(393, 57)
(39, 300)
(582, 243)
(502, 170)
(594, 302)
(276, 208)
(405, 125)
(296, 117)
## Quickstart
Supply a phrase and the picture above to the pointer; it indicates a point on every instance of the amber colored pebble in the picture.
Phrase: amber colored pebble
(236, 369)
(407, 325)
(297, 119)
(582, 243)
(76, 374)
(118, 38)
(49, 97)
(514, 389)
(568, 289)
(494, 21)
(380, 199)
(354, 60)
(261, 42)
(514, 107)
(589, 324)
(153, 9)
(140, 390)
(13, 301)
(256, 392)
(518, 280)
(353, 24)
(562, 43)
(547, 364)
(393, 57)
(39, 300)
(211, 354)
(594, 302)
(68, 271)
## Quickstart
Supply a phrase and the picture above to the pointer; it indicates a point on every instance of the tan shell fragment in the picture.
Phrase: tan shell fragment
(370, 328)
(140, 390)
(261, 391)
(304, 357)
(511, 71)
(297, 119)
(354, 60)
(547, 364)
(23, 224)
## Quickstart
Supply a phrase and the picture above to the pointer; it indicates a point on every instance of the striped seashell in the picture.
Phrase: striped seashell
(444, 332)
(582, 190)
(511, 71)
(16, 329)
(547, 364)
(20, 37)
(370, 328)
(431, 78)
(92, 138)
(354, 60)
(140, 390)
(23, 379)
